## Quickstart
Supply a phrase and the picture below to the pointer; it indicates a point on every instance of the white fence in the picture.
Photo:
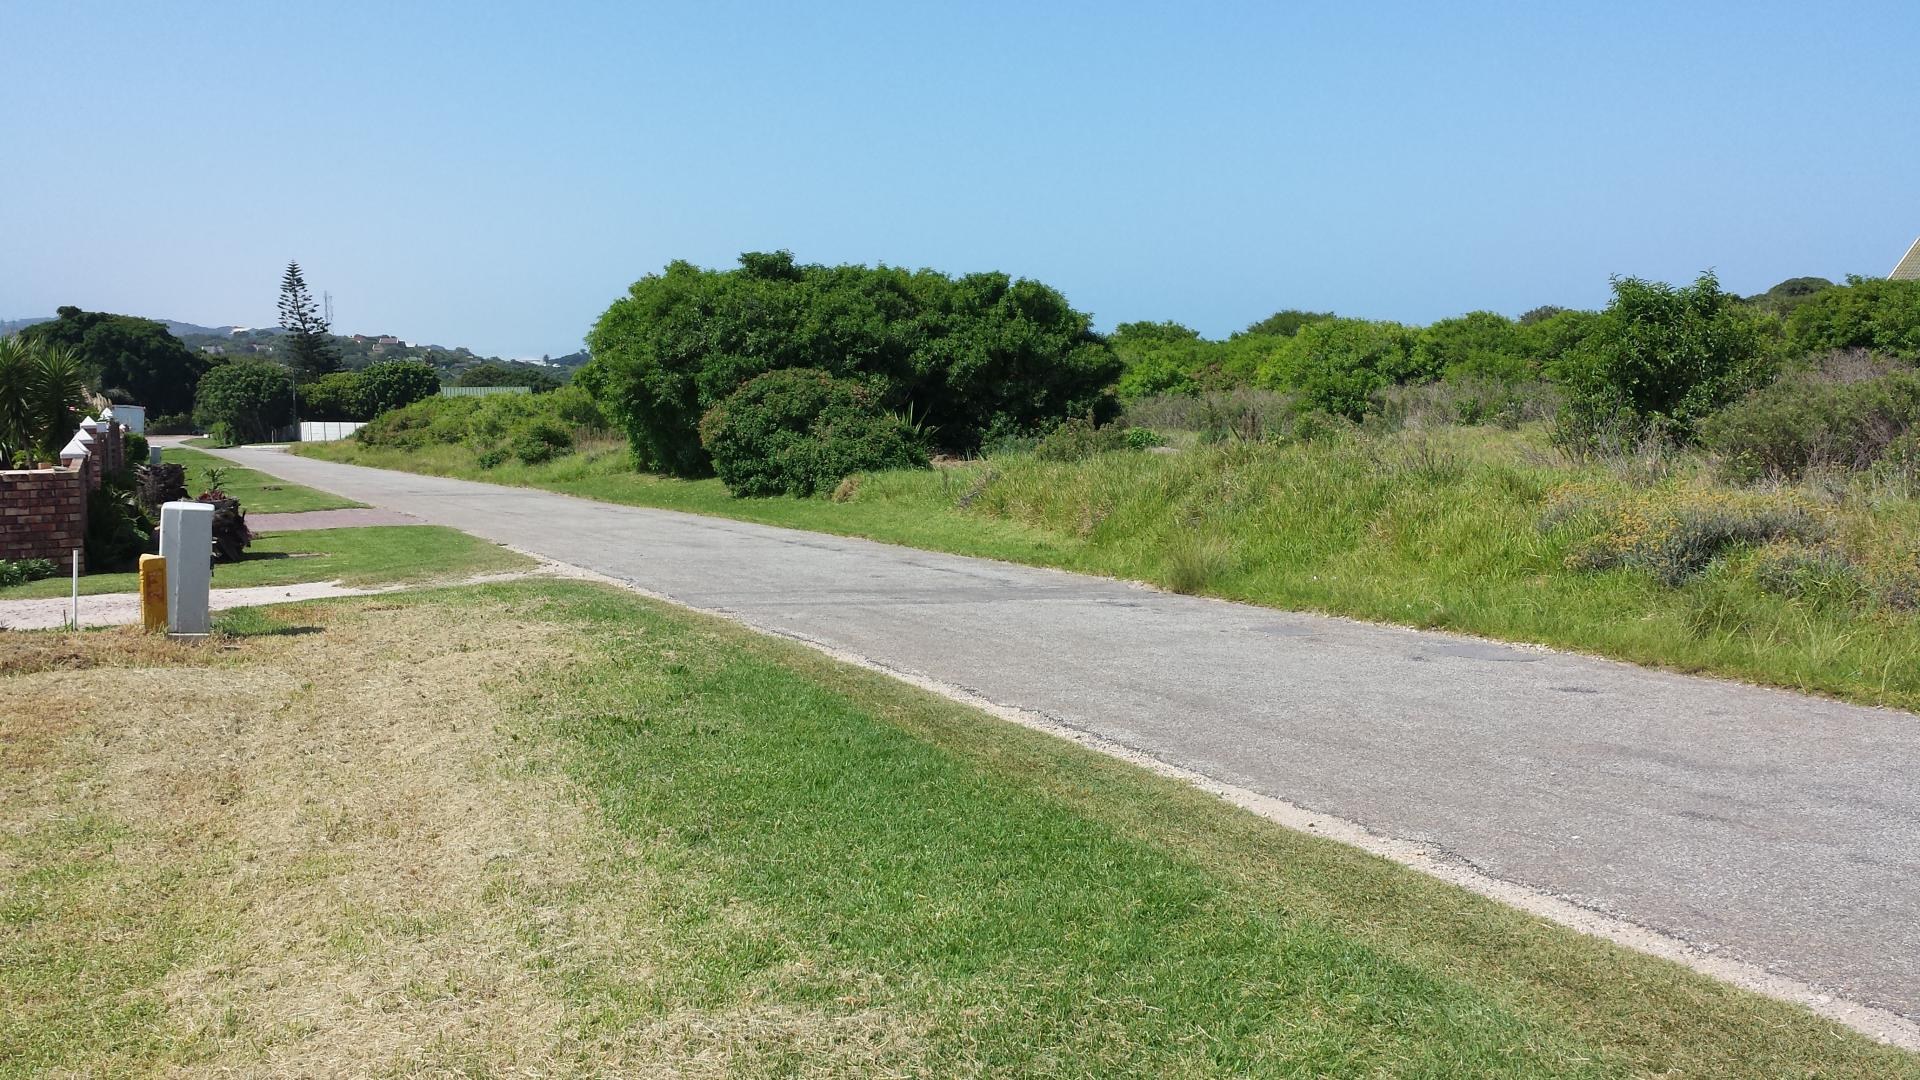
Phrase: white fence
(327, 430)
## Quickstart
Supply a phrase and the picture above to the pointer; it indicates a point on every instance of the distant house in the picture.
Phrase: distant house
(1908, 268)
(391, 341)
(216, 350)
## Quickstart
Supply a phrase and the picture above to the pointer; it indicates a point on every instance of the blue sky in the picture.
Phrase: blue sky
(495, 176)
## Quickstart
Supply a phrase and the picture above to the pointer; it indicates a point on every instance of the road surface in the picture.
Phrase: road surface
(1769, 827)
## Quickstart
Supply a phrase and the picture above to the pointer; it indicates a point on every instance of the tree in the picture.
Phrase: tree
(973, 357)
(310, 346)
(41, 394)
(1658, 360)
(245, 401)
(127, 356)
(391, 384)
(1286, 323)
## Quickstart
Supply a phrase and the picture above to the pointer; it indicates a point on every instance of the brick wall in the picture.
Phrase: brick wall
(43, 514)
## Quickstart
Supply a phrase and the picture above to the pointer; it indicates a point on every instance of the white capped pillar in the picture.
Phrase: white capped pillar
(186, 542)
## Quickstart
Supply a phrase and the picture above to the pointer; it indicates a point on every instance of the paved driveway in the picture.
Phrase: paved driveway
(1773, 828)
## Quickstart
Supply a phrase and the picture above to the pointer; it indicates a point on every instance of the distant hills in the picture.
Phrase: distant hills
(198, 336)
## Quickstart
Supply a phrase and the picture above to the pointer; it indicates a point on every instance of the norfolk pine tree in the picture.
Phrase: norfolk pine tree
(310, 348)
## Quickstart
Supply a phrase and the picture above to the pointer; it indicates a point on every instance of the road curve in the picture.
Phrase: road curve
(1765, 826)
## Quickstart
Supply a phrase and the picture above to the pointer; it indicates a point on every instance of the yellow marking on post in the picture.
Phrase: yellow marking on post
(153, 593)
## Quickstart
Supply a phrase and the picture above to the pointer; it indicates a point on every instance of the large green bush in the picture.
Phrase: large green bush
(1814, 419)
(1479, 345)
(800, 431)
(392, 384)
(246, 400)
(338, 396)
(484, 422)
(1658, 361)
(973, 357)
(1866, 313)
(539, 440)
(1337, 365)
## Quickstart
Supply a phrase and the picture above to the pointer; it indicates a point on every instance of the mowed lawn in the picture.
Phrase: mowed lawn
(258, 493)
(555, 828)
(369, 555)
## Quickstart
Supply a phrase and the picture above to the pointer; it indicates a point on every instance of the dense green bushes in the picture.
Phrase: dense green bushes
(21, 571)
(364, 394)
(338, 396)
(1817, 418)
(974, 357)
(393, 384)
(1335, 366)
(530, 428)
(1658, 361)
(1868, 313)
(245, 401)
(800, 431)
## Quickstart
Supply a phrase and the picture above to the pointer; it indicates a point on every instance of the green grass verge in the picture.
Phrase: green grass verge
(840, 875)
(1439, 531)
(374, 555)
(836, 841)
(258, 493)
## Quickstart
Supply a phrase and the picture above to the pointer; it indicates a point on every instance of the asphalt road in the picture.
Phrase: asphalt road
(1774, 828)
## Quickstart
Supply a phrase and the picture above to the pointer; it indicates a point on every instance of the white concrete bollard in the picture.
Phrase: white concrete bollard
(153, 455)
(186, 542)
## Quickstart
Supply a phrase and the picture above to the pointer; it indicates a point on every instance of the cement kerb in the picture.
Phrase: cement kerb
(1882, 1025)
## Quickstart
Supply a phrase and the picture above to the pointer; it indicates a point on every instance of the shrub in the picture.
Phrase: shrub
(1241, 413)
(339, 396)
(1675, 536)
(41, 393)
(541, 440)
(392, 384)
(137, 449)
(492, 457)
(1814, 419)
(1865, 313)
(21, 571)
(1337, 365)
(1657, 361)
(117, 528)
(1821, 573)
(1467, 401)
(799, 431)
(245, 401)
(1075, 440)
(171, 424)
(1478, 345)
(481, 421)
(160, 484)
(980, 356)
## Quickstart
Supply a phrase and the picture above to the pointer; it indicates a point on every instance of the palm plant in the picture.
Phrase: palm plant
(42, 389)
